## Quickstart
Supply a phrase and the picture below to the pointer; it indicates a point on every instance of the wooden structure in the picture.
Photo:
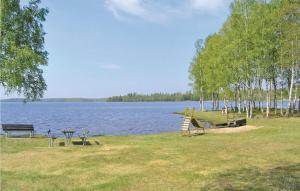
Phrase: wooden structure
(84, 136)
(18, 128)
(51, 137)
(234, 121)
(68, 135)
(186, 125)
(237, 122)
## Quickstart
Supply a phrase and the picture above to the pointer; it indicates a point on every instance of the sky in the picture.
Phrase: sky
(101, 48)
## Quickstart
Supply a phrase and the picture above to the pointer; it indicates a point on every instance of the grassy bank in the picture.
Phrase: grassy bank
(263, 159)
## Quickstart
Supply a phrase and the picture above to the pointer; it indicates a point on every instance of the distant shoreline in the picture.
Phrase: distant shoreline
(79, 100)
(93, 100)
(57, 100)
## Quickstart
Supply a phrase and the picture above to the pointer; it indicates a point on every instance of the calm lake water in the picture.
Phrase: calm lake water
(105, 118)
(98, 117)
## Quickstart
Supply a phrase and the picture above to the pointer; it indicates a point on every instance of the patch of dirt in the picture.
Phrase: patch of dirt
(114, 147)
(121, 169)
(233, 129)
(158, 162)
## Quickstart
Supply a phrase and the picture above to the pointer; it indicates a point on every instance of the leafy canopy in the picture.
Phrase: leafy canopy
(22, 53)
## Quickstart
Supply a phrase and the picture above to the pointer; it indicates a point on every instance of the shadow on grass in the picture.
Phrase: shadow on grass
(61, 144)
(22, 136)
(81, 143)
(88, 143)
(278, 178)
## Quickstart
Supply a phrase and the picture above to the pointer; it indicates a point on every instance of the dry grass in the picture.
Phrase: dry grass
(266, 158)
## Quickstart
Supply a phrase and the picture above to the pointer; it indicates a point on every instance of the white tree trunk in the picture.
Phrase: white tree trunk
(295, 99)
(281, 101)
(290, 92)
(268, 109)
(202, 103)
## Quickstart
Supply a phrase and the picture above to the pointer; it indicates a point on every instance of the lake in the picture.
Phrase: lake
(100, 118)
(105, 118)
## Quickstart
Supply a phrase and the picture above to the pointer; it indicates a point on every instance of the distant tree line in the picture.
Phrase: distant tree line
(134, 97)
(254, 58)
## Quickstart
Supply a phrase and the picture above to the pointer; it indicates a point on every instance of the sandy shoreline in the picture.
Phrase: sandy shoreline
(233, 129)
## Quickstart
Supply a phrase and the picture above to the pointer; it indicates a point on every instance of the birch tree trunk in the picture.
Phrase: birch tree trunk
(275, 96)
(213, 102)
(281, 100)
(202, 101)
(267, 88)
(261, 107)
(295, 100)
(288, 109)
(299, 104)
(290, 94)
(239, 97)
(281, 93)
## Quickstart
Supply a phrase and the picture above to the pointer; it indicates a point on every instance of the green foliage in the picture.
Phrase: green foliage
(134, 97)
(256, 50)
(22, 48)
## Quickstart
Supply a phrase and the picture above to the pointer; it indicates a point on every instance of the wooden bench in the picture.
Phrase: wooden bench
(18, 128)
(186, 129)
(237, 122)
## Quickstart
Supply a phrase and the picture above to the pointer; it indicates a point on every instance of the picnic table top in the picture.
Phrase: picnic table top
(68, 131)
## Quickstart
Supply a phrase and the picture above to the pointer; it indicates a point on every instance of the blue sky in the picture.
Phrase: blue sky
(100, 48)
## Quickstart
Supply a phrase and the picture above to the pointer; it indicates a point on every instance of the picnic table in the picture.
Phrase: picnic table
(68, 135)
(51, 137)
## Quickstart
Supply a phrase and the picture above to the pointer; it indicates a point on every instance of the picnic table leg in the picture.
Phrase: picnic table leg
(69, 139)
(50, 142)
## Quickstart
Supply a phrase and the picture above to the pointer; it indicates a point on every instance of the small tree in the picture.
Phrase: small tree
(22, 48)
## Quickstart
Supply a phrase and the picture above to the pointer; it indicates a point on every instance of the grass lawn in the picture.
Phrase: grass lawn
(267, 158)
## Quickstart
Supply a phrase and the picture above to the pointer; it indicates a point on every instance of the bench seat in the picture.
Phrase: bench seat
(18, 127)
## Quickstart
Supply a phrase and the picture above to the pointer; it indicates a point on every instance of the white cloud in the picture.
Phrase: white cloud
(110, 67)
(133, 7)
(161, 10)
(210, 6)
(121, 9)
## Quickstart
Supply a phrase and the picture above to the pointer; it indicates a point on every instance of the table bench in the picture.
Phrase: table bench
(18, 128)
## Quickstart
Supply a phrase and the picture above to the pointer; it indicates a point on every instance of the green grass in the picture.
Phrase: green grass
(267, 158)
(216, 117)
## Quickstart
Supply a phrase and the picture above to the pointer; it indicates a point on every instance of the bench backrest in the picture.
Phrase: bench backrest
(17, 127)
